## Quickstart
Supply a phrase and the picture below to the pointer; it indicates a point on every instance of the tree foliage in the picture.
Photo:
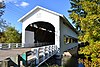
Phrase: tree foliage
(11, 35)
(86, 16)
(2, 21)
(8, 34)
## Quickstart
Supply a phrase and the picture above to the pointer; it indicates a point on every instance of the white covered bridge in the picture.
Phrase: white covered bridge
(47, 33)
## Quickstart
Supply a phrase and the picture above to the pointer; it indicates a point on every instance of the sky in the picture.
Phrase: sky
(15, 9)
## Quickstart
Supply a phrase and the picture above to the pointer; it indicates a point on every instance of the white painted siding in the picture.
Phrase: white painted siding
(45, 16)
(65, 30)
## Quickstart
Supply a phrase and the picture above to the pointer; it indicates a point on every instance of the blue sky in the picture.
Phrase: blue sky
(15, 9)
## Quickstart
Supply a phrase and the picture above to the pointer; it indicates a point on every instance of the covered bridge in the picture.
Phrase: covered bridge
(41, 27)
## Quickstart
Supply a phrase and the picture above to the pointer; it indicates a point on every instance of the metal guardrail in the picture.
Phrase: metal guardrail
(10, 45)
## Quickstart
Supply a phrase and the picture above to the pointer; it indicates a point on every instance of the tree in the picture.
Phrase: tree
(2, 22)
(2, 37)
(11, 35)
(86, 16)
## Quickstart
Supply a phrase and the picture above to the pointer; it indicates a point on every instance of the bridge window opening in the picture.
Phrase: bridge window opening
(69, 39)
(43, 33)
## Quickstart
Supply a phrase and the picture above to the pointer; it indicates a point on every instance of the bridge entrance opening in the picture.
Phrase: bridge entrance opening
(40, 33)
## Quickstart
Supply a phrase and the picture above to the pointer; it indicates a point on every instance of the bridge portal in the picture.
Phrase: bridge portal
(40, 32)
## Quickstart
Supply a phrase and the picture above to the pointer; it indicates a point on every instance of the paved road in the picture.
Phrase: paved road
(12, 52)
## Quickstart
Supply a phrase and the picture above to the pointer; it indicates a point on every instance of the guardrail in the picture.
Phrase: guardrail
(38, 55)
(34, 57)
(10, 45)
(19, 45)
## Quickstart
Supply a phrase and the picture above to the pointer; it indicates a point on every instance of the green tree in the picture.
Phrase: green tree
(2, 37)
(12, 35)
(86, 16)
(2, 21)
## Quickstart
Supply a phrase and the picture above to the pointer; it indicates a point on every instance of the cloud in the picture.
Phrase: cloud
(0, 0)
(17, 5)
(17, 2)
(13, 1)
(24, 4)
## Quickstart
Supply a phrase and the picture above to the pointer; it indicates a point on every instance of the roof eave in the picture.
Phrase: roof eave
(38, 7)
(21, 19)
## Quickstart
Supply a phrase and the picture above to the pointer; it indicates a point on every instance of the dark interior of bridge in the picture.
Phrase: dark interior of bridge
(44, 32)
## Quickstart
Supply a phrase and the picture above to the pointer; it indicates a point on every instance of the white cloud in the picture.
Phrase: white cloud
(16, 5)
(24, 4)
(1, 0)
(14, 1)
(17, 2)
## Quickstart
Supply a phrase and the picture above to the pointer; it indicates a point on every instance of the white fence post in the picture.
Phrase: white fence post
(50, 50)
(44, 53)
(0, 46)
(16, 45)
(37, 56)
(9, 46)
(47, 51)
(22, 45)
(54, 48)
